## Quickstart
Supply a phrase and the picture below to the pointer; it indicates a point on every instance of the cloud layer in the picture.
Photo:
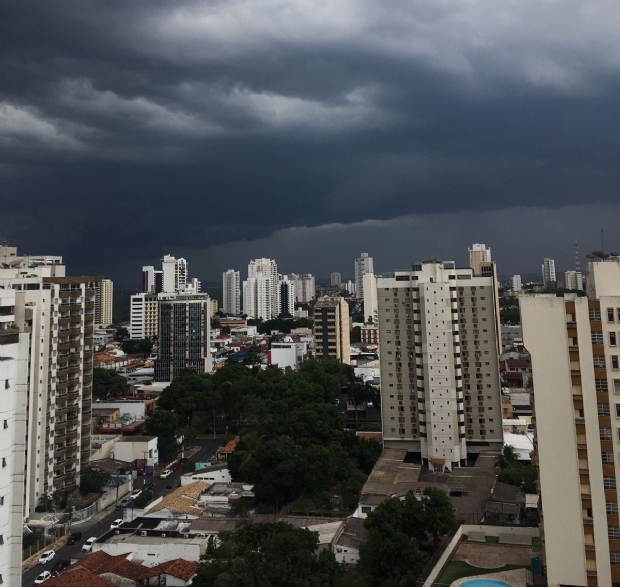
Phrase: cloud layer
(138, 127)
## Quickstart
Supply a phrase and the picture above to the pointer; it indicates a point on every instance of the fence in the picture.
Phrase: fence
(85, 513)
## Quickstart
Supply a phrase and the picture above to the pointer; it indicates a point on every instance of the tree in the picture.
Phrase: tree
(165, 426)
(355, 335)
(142, 346)
(143, 499)
(439, 515)
(121, 334)
(507, 458)
(92, 480)
(108, 383)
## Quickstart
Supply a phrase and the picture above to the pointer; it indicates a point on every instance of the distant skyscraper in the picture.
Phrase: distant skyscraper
(231, 292)
(286, 296)
(260, 291)
(515, 283)
(336, 279)
(144, 316)
(148, 279)
(479, 256)
(331, 329)
(363, 265)
(305, 288)
(174, 276)
(184, 335)
(370, 298)
(104, 291)
(548, 272)
(573, 280)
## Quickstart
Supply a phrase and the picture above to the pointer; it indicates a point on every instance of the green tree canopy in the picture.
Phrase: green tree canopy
(142, 346)
(108, 383)
(164, 425)
(92, 480)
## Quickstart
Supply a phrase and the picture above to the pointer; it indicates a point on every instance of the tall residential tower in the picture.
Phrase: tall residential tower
(231, 292)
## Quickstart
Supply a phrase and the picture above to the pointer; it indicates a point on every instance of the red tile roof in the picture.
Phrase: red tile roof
(179, 568)
(230, 446)
(101, 562)
(378, 436)
(78, 578)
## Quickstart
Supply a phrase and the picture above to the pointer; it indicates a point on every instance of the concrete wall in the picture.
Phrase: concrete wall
(109, 497)
(209, 475)
(107, 447)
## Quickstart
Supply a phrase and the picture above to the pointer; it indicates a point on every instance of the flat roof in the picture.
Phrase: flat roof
(137, 438)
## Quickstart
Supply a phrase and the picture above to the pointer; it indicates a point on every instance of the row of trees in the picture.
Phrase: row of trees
(512, 472)
(401, 536)
(293, 440)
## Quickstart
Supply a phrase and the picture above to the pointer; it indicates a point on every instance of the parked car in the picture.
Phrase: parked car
(123, 503)
(60, 565)
(88, 545)
(46, 557)
(44, 576)
(116, 524)
(165, 474)
(74, 538)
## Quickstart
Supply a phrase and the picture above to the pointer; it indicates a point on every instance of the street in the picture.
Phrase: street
(100, 522)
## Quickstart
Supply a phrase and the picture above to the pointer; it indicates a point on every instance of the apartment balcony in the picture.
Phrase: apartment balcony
(59, 452)
(71, 460)
(73, 395)
(70, 331)
(9, 333)
(59, 465)
(61, 410)
(60, 436)
(72, 434)
(59, 481)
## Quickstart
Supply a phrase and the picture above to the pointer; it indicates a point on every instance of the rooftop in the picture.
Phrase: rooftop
(230, 446)
(78, 578)
(183, 499)
(392, 475)
(137, 439)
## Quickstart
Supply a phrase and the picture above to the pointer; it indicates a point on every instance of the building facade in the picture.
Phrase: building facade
(573, 280)
(286, 296)
(260, 291)
(104, 296)
(548, 273)
(305, 286)
(331, 329)
(144, 317)
(371, 310)
(439, 350)
(364, 264)
(184, 335)
(231, 293)
(336, 279)
(573, 343)
(515, 283)
(479, 257)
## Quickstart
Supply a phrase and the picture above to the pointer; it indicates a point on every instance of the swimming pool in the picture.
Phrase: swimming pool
(485, 583)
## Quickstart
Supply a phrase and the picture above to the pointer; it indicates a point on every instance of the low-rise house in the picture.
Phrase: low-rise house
(224, 452)
(349, 541)
(140, 450)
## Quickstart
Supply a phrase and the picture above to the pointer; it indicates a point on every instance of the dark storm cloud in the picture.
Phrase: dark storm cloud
(134, 127)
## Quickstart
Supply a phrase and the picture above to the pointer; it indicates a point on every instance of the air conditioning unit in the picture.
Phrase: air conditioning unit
(143, 533)
(163, 534)
(117, 532)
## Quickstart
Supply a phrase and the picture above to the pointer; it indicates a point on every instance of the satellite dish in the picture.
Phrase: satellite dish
(598, 254)
(590, 257)
(614, 254)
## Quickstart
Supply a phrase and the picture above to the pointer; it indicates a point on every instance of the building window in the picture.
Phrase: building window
(612, 508)
(609, 482)
(614, 557)
(610, 314)
(594, 314)
(614, 362)
(616, 385)
(597, 337)
(602, 409)
(612, 339)
(601, 385)
(607, 458)
(613, 532)
(599, 361)
(605, 433)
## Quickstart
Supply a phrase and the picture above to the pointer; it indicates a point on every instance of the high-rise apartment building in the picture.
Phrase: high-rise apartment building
(515, 283)
(144, 316)
(479, 257)
(363, 265)
(331, 329)
(439, 351)
(148, 279)
(13, 410)
(548, 272)
(56, 315)
(231, 292)
(184, 335)
(305, 286)
(286, 296)
(574, 345)
(260, 291)
(336, 279)
(104, 292)
(174, 274)
(573, 280)
(371, 309)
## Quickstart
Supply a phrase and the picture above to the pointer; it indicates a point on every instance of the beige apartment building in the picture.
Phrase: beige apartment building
(438, 350)
(574, 344)
(331, 329)
(104, 292)
(56, 315)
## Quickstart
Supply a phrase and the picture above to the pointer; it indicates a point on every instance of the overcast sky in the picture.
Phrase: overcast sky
(308, 131)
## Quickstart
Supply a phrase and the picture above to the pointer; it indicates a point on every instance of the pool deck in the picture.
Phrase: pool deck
(515, 578)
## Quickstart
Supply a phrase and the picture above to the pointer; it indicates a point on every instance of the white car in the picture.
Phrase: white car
(46, 557)
(116, 524)
(165, 474)
(88, 545)
(44, 576)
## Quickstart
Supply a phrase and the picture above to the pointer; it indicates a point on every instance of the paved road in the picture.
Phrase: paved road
(100, 523)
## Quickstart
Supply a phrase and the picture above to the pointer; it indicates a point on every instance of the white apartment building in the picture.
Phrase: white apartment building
(479, 255)
(13, 411)
(515, 283)
(144, 317)
(231, 292)
(56, 315)
(336, 279)
(260, 291)
(174, 274)
(371, 309)
(104, 292)
(573, 280)
(363, 265)
(286, 296)
(439, 351)
(548, 272)
(305, 286)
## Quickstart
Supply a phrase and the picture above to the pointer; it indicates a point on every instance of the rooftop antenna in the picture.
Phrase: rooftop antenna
(577, 263)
